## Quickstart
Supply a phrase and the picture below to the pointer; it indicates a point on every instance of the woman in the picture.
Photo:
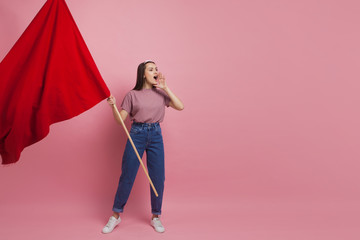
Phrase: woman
(146, 106)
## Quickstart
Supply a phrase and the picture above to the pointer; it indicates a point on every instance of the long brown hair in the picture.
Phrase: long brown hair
(140, 79)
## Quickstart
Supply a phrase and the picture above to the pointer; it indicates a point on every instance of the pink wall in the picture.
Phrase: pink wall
(271, 94)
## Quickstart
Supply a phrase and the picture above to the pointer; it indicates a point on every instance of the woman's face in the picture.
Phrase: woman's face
(151, 73)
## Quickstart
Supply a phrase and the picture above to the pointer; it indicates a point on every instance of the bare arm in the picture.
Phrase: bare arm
(175, 102)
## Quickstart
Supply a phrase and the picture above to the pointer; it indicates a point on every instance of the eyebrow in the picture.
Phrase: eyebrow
(152, 67)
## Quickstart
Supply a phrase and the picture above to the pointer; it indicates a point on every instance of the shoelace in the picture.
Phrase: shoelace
(111, 221)
(157, 222)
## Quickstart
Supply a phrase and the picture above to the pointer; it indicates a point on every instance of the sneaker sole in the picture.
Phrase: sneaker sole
(112, 229)
(155, 229)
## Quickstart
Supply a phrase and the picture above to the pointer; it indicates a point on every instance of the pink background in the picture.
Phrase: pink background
(267, 146)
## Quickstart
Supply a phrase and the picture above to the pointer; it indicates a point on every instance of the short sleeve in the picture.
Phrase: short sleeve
(166, 97)
(127, 103)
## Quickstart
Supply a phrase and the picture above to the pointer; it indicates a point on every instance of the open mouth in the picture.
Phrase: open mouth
(155, 77)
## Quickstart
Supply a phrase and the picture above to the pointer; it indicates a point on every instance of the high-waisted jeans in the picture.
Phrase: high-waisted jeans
(146, 137)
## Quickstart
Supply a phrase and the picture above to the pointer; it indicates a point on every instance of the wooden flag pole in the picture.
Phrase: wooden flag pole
(137, 154)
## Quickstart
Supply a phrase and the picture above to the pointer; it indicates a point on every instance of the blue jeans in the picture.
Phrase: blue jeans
(146, 137)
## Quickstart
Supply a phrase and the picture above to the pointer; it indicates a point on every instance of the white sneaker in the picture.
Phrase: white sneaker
(111, 224)
(156, 223)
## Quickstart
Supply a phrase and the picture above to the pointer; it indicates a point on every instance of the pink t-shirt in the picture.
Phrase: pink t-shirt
(146, 105)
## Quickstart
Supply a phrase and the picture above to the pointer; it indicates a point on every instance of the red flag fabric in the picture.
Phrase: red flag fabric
(48, 76)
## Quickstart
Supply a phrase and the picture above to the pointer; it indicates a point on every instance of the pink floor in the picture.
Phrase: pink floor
(256, 219)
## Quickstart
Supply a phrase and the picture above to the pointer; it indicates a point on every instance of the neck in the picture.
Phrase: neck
(147, 86)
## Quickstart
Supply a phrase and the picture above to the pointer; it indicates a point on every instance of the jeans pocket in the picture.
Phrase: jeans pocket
(135, 130)
(158, 130)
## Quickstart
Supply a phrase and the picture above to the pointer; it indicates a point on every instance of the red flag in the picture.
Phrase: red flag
(47, 77)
